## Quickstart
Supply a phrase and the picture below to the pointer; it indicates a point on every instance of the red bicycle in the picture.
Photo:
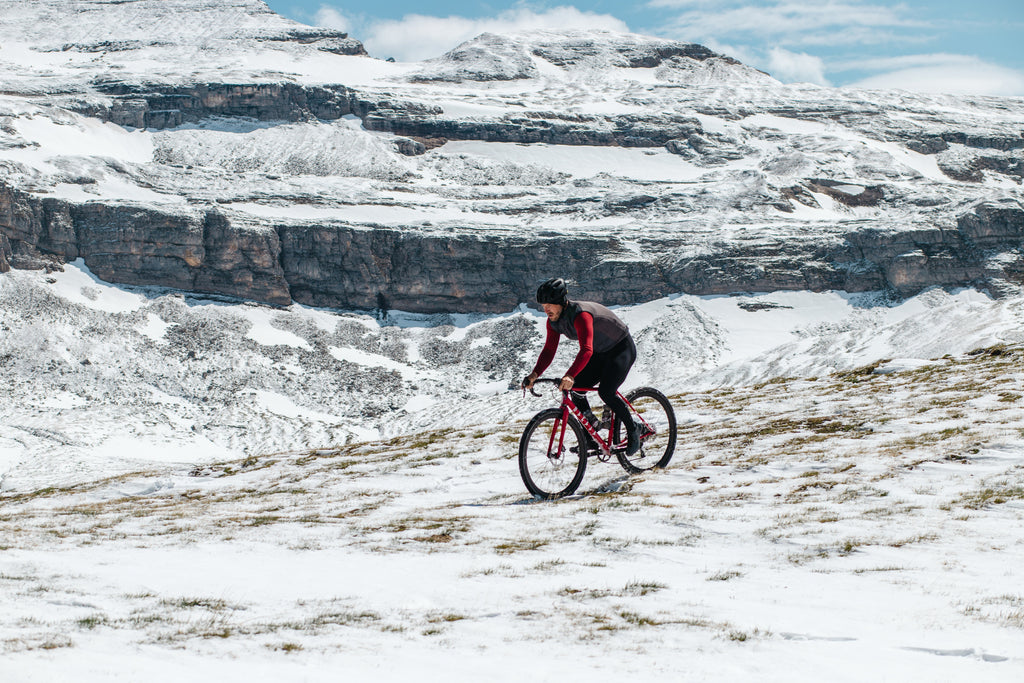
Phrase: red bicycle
(554, 448)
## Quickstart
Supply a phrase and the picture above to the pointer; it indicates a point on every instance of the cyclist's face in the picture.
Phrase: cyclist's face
(553, 311)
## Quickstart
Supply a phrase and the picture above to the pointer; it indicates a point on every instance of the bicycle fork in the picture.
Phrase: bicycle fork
(558, 428)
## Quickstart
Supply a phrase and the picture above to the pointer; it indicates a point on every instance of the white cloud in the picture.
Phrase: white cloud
(792, 22)
(328, 17)
(744, 53)
(416, 37)
(899, 62)
(942, 73)
(686, 3)
(791, 67)
(781, 64)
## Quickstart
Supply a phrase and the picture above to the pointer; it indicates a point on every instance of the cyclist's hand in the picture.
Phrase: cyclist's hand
(566, 383)
(529, 380)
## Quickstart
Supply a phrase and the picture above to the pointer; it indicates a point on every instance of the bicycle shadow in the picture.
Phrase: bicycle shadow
(618, 484)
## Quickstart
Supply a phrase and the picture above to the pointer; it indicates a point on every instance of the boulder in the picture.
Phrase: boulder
(410, 148)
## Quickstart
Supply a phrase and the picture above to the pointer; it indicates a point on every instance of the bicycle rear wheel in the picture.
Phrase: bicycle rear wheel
(551, 462)
(657, 436)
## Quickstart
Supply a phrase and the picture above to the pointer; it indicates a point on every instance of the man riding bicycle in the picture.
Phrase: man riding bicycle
(606, 354)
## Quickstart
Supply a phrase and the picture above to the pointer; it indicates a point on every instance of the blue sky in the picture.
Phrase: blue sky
(927, 45)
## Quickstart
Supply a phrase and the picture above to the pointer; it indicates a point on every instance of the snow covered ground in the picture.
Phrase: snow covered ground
(854, 526)
(266, 494)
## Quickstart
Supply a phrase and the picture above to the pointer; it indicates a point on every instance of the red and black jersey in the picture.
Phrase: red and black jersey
(595, 326)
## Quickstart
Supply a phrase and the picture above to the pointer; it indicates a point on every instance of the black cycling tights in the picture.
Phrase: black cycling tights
(607, 371)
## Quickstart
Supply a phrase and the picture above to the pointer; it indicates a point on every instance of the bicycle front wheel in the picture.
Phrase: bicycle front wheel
(552, 456)
(657, 421)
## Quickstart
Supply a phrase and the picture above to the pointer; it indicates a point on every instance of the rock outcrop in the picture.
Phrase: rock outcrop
(160, 106)
(348, 266)
(137, 245)
(551, 128)
(166, 106)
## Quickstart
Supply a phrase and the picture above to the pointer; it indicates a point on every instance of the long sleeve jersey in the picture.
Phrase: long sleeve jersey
(584, 326)
(596, 327)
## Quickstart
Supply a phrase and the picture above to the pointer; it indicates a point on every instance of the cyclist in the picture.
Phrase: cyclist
(606, 354)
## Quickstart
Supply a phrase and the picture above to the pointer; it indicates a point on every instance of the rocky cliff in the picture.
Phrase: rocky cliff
(380, 267)
(634, 166)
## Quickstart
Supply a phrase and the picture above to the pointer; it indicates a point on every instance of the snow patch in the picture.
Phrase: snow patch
(155, 328)
(372, 360)
(78, 285)
(88, 137)
(263, 330)
(582, 161)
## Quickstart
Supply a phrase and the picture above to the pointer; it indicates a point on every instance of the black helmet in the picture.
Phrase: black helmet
(553, 291)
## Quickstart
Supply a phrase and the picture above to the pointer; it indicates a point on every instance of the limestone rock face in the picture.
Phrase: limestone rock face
(549, 128)
(367, 268)
(5, 254)
(139, 245)
(162, 106)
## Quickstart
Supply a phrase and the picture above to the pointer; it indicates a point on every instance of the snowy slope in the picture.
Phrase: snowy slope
(595, 55)
(864, 524)
(59, 45)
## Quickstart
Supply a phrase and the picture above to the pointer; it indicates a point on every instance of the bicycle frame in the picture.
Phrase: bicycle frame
(569, 408)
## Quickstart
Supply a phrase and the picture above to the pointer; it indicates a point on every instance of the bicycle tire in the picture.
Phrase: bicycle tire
(551, 477)
(656, 449)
